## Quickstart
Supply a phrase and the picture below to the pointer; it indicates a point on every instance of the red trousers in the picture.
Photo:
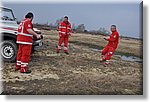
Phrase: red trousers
(63, 38)
(23, 57)
(107, 52)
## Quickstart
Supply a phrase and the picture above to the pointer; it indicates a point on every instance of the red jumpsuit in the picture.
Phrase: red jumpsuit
(24, 40)
(64, 32)
(110, 48)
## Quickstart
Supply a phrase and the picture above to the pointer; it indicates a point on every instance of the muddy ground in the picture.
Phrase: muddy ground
(80, 72)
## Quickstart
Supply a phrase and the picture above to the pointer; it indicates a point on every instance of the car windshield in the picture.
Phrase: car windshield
(6, 14)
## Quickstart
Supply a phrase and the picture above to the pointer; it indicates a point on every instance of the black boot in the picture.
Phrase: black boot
(66, 53)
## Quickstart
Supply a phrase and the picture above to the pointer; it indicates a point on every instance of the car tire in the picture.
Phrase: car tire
(8, 50)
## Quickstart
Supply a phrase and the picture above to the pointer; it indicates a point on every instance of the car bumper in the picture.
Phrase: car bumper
(38, 43)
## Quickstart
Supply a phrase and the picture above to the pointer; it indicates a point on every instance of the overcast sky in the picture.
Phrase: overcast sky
(94, 15)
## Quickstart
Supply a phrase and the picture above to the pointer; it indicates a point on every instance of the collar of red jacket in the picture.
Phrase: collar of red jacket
(66, 22)
(27, 19)
(114, 31)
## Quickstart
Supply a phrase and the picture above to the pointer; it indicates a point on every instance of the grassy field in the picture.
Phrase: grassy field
(80, 72)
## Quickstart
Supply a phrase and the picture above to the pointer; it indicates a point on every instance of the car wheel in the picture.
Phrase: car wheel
(8, 51)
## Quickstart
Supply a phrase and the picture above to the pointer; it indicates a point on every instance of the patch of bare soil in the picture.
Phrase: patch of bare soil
(80, 72)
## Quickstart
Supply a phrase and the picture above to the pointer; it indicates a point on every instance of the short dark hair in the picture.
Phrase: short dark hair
(66, 17)
(29, 15)
(113, 26)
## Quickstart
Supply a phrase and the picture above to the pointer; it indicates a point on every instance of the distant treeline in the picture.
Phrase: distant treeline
(81, 29)
(77, 29)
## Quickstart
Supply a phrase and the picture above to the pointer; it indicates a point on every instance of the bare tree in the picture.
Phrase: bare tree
(58, 22)
(80, 28)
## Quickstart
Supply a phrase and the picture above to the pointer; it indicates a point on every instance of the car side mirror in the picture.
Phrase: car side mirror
(15, 19)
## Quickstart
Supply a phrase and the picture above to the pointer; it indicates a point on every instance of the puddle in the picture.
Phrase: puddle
(97, 50)
(131, 58)
(123, 57)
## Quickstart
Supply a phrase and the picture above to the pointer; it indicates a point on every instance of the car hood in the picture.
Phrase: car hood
(9, 24)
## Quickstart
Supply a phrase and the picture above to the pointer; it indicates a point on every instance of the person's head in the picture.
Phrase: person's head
(66, 19)
(113, 28)
(29, 16)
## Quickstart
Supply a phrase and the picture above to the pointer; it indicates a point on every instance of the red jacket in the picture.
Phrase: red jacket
(23, 36)
(113, 40)
(64, 28)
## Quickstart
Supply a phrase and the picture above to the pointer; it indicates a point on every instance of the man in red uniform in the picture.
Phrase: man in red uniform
(24, 40)
(110, 48)
(64, 31)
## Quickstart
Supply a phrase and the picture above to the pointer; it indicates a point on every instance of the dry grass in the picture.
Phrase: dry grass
(80, 72)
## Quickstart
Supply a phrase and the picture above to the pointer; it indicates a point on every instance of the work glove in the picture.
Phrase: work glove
(38, 37)
(105, 38)
(41, 36)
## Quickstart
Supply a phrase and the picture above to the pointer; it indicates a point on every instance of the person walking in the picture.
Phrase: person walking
(64, 31)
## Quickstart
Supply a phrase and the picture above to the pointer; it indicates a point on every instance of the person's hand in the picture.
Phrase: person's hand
(38, 36)
(41, 36)
(105, 38)
(69, 34)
